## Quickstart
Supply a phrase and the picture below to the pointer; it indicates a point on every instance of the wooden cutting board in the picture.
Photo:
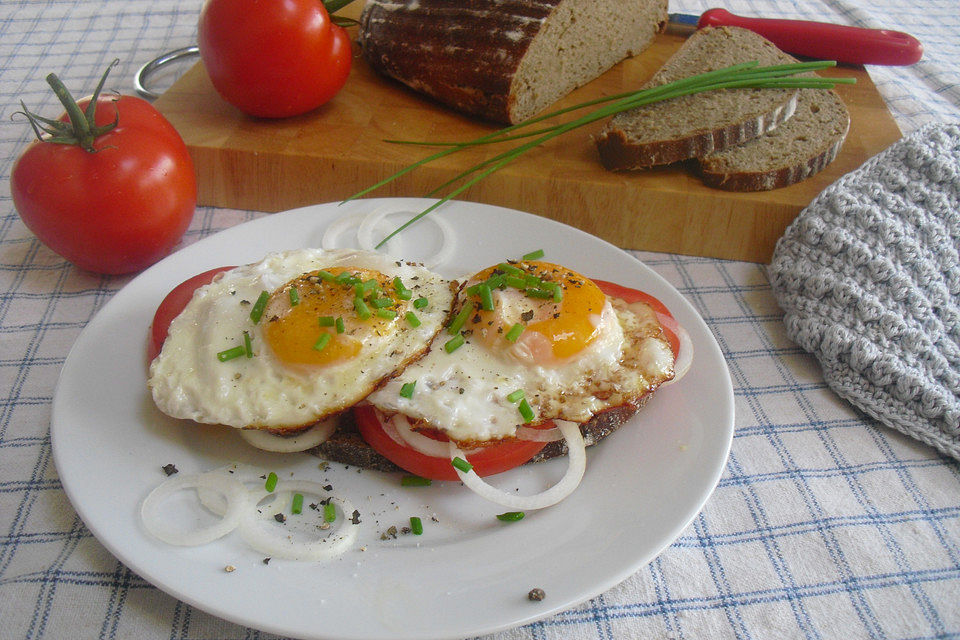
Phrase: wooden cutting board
(329, 154)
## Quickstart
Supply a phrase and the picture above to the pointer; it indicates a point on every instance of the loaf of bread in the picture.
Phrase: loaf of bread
(504, 60)
(696, 125)
(794, 151)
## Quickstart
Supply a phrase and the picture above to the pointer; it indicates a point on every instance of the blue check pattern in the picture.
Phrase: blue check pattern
(823, 525)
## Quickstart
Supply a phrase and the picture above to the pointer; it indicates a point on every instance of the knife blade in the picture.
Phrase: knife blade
(821, 40)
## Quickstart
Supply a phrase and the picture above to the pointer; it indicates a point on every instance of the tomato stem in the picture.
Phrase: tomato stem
(81, 130)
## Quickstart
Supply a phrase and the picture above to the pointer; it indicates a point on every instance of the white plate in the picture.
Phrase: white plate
(469, 573)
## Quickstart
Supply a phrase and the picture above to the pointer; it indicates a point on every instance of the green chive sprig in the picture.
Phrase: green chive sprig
(747, 75)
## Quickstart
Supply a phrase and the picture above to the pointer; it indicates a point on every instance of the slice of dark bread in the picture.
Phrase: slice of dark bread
(504, 60)
(347, 447)
(695, 125)
(794, 151)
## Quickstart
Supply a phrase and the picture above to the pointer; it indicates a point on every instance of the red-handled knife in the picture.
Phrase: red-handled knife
(821, 40)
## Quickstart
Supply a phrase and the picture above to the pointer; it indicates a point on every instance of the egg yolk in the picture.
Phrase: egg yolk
(555, 326)
(300, 313)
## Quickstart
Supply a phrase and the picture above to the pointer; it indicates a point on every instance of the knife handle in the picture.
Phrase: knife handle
(825, 41)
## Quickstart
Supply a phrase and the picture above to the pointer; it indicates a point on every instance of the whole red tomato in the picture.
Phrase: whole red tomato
(273, 58)
(110, 198)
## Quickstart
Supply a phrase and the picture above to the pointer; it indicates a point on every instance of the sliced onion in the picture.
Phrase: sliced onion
(250, 477)
(577, 464)
(315, 435)
(685, 358)
(237, 503)
(540, 435)
(338, 226)
(418, 441)
(369, 225)
(275, 539)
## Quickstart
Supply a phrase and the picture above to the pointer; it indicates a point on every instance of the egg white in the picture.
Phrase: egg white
(464, 393)
(188, 381)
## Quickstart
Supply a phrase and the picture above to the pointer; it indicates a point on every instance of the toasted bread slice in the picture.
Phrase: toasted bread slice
(695, 125)
(794, 151)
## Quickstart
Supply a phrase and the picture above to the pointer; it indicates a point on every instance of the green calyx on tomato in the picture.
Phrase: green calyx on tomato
(81, 129)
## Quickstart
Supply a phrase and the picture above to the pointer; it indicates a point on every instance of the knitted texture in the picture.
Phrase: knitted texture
(868, 276)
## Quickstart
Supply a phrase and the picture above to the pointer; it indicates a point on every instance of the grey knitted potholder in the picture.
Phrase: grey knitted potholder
(868, 276)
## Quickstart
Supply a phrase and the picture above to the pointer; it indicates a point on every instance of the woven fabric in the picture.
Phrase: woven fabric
(823, 525)
(869, 278)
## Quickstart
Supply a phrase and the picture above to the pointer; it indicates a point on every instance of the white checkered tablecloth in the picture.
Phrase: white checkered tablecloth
(824, 525)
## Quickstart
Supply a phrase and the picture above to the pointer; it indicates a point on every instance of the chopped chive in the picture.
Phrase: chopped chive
(297, 506)
(326, 276)
(461, 464)
(532, 280)
(533, 255)
(344, 277)
(473, 289)
(271, 482)
(454, 343)
(247, 345)
(461, 318)
(420, 303)
(231, 353)
(386, 314)
(339, 325)
(359, 290)
(322, 341)
(415, 481)
(363, 311)
(294, 297)
(495, 281)
(402, 292)
(525, 411)
(416, 525)
(326, 321)
(558, 294)
(516, 396)
(514, 332)
(381, 303)
(511, 516)
(257, 312)
(538, 293)
(515, 282)
(412, 319)
(329, 512)
(406, 391)
(486, 297)
(509, 268)
(371, 286)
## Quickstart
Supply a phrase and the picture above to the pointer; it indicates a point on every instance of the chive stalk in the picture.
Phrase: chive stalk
(257, 312)
(461, 464)
(329, 512)
(231, 353)
(297, 506)
(415, 481)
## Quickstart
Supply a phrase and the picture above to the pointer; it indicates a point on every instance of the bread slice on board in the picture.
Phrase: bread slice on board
(695, 125)
(504, 60)
(794, 151)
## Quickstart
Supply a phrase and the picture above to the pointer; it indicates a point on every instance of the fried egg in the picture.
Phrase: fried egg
(534, 334)
(295, 338)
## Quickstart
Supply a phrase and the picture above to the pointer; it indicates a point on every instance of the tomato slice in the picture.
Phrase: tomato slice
(488, 460)
(668, 323)
(171, 307)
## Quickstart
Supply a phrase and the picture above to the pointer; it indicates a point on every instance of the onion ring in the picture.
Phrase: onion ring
(685, 358)
(338, 226)
(418, 441)
(250, 477)
(577, 464)
(315, 435)
(540, 435)
(279, 543)
(234, 492)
